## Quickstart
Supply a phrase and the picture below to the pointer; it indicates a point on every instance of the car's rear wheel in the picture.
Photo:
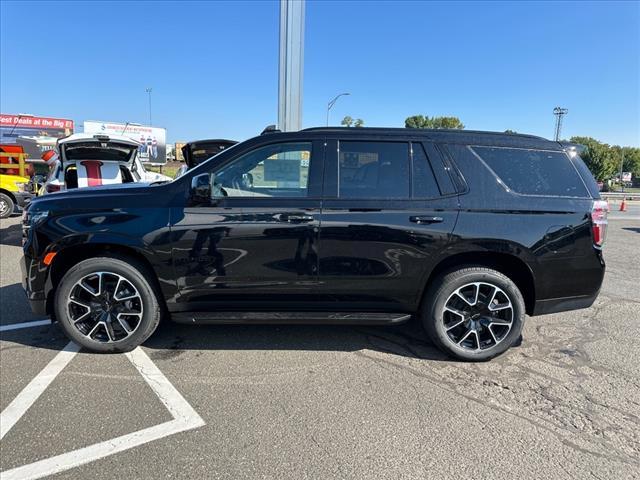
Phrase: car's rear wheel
(473, 313)
(6, 205)
(107, 304)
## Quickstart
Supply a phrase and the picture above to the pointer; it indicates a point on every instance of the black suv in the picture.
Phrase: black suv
(468, 231)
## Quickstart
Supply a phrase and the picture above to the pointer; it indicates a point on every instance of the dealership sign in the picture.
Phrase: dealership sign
(36, 135)
(152, 140)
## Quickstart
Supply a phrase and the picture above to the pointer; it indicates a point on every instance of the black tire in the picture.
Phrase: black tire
(132, 271)
(443, 289)
(7, 205)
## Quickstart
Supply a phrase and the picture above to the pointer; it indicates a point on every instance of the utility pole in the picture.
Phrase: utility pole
(621, 168)
(149, 90)
(291, 65)
(559, 112)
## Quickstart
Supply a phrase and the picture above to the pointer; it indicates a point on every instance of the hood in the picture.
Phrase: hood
(106, 148)
(197, 152)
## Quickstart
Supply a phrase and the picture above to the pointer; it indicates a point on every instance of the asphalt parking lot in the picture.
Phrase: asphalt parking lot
(318, 402)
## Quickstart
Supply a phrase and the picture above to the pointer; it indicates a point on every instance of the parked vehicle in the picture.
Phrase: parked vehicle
(468, 231)
(91, 160)
(14, 175)
(195, 153)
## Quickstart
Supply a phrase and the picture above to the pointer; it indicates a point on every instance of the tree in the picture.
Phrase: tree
(599, 157)
(350, 122)
(424, 121)
(347, 121)
(510, 131)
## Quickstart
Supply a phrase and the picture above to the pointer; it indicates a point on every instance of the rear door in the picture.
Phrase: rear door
(388, 211)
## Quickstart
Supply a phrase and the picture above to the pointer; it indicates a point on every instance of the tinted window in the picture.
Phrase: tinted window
(374, 170)
(534, 172)
(424, 182)
(279, 170)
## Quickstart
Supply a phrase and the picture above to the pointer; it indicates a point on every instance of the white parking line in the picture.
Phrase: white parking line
(27, 397)
(184, 418)
(18, 326)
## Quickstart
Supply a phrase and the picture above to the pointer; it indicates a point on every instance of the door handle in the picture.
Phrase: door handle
(297, 218)
(425, 219)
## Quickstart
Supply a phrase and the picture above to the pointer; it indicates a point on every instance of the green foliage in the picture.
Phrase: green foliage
(350, 122)
(424, 121)
(604, 160)
(598, 156)
(347, 121)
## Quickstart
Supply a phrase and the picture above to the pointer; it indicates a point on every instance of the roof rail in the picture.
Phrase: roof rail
(270, 129)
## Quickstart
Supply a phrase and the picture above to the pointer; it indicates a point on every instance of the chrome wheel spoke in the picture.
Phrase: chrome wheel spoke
(451, 327)
(94, 329)
(495, 340)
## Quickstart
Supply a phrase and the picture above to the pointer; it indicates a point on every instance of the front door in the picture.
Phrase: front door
(388, 213)
(255, 245)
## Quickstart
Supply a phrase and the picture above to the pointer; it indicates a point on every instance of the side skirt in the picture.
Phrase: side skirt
(205, 318)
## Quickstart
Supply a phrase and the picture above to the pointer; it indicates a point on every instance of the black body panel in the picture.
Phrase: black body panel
(322, 252)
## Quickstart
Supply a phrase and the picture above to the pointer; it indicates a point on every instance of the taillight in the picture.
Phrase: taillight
(52, 187)
(599, 213)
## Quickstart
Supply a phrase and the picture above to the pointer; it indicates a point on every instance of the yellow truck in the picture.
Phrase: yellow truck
(14, 176)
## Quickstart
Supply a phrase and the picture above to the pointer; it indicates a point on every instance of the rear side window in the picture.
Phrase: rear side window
(374, 170)
(534, 172)
(424, 182)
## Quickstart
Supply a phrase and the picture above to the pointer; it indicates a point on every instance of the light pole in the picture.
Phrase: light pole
(332, 103)
(149, 90)
(559, 112)
(621, 168)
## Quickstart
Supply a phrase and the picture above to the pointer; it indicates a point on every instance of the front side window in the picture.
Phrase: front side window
(372, 170)
(278, 170)
(534, 172)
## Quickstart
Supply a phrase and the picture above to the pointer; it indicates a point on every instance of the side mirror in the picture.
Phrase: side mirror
(201, 189)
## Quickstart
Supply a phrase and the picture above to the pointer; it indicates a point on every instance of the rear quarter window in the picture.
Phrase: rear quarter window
(534, 172)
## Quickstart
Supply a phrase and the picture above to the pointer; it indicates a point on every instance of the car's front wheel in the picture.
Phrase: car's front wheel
(473, 313)
(107, 304)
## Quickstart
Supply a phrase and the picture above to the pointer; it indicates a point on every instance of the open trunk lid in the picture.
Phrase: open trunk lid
(197, 152)
(103, 148)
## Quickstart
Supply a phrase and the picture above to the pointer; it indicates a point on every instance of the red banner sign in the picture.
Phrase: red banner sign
(7, 120)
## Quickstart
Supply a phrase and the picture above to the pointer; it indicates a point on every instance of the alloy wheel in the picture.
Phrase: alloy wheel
(4, 207)
(105, 307)
(477, 316)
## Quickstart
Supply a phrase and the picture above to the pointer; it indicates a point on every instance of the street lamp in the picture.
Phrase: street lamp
(332, 103)
(149, 90)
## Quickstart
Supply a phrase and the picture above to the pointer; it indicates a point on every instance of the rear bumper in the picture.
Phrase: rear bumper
(555, 305)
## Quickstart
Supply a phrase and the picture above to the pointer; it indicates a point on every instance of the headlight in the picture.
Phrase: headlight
(30, 218)
(21, 186)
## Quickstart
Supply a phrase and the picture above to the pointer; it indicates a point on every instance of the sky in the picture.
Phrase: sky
(213, 66)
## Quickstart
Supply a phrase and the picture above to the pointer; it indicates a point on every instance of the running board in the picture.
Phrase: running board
(352, 318)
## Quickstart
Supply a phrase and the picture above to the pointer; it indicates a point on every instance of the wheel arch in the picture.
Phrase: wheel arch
(70, 256)
(510, 265)
(8, 193)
